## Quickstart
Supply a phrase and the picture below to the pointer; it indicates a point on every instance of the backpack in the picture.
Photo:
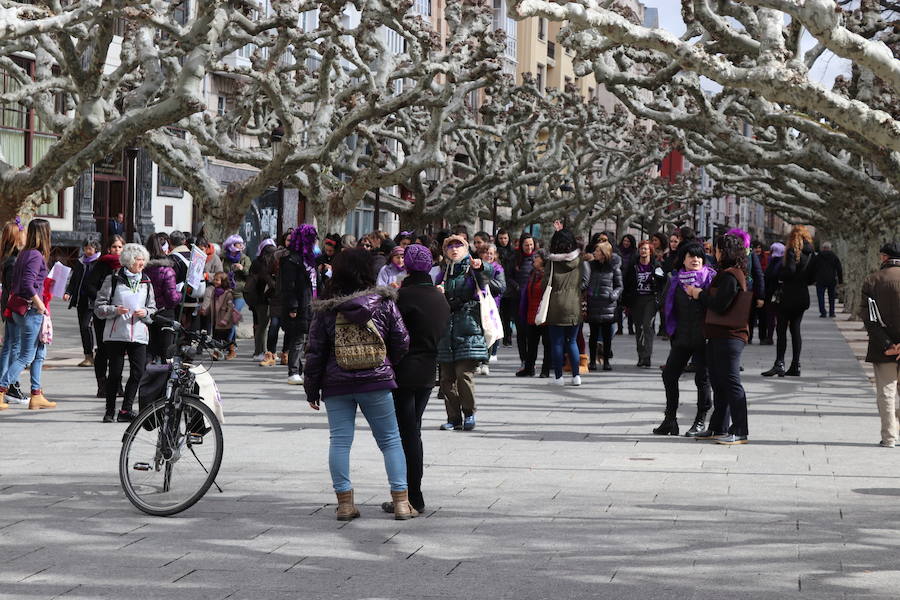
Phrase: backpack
(357, 347)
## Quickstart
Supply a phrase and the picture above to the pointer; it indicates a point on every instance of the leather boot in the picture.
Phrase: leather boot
(232, 352)
(268, 361)
(794, 369)
(39, 401)
(88, 361)
(583, 362)
(403, 510)
(699, 425)
(669, 426)
(346, 510)
(567, 368)
(777, 369)
(284, 358)
(3, 405)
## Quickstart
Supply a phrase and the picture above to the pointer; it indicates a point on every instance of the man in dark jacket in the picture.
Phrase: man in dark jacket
(827, 272)
(881, 293)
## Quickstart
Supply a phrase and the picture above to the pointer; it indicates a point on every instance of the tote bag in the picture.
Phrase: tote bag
(737, 315)
(491, 324)
(541, 316)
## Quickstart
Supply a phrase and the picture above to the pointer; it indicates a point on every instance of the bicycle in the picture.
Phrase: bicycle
(172, 451)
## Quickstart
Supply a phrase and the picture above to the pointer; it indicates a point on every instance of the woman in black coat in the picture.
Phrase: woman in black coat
(299, 286)
(603, 292)
(425, 312)
(794, 301)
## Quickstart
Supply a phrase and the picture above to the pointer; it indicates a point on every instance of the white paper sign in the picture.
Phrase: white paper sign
(195, 269)
(60, 275)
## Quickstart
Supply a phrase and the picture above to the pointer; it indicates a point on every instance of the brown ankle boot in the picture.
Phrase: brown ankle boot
(39, 401)
(346, 510)
(268, 361)
(3, 405)
(232, 352)
(583, 363)
(403, 510)
(284, 358)
(88, 361)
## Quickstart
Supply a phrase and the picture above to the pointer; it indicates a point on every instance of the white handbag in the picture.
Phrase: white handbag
(491, 325)
(541, 316)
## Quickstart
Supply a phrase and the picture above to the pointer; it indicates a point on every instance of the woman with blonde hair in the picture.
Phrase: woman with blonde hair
(603, 292)
(792, 301)
(26, 305)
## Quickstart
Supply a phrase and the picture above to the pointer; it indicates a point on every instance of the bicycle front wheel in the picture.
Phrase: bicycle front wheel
(170, 457)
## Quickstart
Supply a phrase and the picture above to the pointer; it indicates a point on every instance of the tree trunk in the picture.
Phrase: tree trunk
(858, 250)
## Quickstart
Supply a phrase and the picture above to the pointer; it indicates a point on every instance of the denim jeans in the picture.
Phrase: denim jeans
(820, 293)
(239, 304)
(378, 409)
(30, 350)
(10, 346)
(272, 335)
(562, 340)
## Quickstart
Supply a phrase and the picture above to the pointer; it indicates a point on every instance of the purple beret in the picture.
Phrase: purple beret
(417, 258)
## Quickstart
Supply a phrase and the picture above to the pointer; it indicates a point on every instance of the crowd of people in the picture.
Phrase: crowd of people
(377, 323)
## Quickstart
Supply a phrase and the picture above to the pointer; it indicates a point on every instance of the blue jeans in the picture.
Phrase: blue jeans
(820, 292)
(10, 346)
(239, 304)
(31, 351)
(562, 340)
(378, 409)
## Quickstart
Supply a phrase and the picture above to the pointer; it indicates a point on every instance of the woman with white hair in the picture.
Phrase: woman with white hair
(127, 304)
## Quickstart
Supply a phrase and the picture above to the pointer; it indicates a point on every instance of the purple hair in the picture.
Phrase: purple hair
(303, 239)
(738, 232)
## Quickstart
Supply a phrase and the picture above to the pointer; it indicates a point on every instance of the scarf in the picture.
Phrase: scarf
(219, 291)
(86, 260)
(700, 279)
(211, 251)
(233, 255)
(134, 280)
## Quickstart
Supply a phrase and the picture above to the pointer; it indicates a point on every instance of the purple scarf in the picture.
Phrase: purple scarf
(86, 260)
(700, 279)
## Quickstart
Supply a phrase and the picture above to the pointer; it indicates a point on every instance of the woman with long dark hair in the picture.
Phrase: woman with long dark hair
(524, 263)
(346, 374)
(90, 252)
(794, 300)
(725, 343)
(509, 302)
(26, 303)
(160, 270)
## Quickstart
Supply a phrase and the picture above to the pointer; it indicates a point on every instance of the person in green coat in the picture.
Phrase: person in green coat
(462, 347)
(567, 279)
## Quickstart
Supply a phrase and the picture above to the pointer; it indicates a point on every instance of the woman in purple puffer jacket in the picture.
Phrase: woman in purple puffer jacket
(161, 272)
(353, 298)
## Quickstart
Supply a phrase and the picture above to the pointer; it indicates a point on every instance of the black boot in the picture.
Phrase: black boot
(777, 369)
(669, 426)
(794, 369)
(699, 425)
(606, 365)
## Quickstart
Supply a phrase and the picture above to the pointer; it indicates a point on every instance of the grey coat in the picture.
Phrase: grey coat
(124, 328)
(604, 289)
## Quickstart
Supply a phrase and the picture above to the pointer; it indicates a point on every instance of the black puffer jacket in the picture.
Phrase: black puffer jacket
(794, 277)
(604, 290)
(296, 289)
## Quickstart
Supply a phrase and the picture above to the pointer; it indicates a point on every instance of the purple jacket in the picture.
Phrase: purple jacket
(29, 274)
(322, 377)
(161, 272)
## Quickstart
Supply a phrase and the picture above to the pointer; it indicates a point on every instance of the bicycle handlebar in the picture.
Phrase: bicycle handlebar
(199, 338)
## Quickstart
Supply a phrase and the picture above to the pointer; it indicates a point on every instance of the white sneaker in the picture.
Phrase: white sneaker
(485, 370)
(11, 400)
(295, 379)
(557, 381)
(576, 380)
(494, 359)
(259, 357)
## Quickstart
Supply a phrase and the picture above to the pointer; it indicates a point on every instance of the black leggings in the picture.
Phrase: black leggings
(790, 321)
(596, 330)
(409, 404)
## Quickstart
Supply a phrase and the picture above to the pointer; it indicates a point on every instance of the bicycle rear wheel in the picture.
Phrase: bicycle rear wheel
(170, 458)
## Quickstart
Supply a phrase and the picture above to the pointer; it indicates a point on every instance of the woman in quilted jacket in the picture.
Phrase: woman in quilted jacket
(356, 336)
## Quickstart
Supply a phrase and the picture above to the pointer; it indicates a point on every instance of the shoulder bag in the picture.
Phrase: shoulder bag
(738, 314)
(544, 306)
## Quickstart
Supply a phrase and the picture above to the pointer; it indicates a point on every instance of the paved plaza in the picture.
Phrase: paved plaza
(559, 493)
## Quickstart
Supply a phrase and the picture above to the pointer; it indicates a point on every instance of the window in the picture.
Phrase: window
(541, 78)
(166, 185)
(542, 28)
(169, 219)
(24, 138)
(181, 11)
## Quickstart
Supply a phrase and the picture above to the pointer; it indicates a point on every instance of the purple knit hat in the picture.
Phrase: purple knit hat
(417, 258)
(397, 251)
(228, 246)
